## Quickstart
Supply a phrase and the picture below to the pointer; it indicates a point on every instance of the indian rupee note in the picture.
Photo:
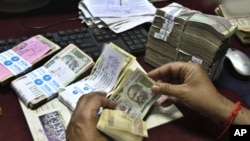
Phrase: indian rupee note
(133, 95)
(122, 127)
(42, 84)
(126, 64)
(69, 64)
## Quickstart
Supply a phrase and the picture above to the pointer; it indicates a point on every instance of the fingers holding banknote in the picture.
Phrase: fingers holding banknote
(165, 100)
(84, 119)
(188, 83)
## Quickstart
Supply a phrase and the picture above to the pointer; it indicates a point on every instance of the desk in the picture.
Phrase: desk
(192, 127)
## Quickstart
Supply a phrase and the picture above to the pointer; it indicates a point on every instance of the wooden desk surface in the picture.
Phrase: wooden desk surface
(192, 127)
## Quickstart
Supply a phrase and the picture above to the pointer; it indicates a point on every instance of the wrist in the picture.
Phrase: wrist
(224, 110)
(230, 120)
(243, 117)
(220, 108)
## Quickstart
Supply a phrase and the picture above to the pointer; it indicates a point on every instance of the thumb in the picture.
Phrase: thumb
(167, 89)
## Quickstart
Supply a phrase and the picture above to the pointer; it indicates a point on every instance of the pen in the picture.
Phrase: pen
(120, 2)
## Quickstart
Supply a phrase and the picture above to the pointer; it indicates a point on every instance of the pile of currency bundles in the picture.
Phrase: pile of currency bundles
(181, 34)
(240, 19)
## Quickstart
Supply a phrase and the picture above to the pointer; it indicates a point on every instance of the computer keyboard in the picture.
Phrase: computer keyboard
(91, 40)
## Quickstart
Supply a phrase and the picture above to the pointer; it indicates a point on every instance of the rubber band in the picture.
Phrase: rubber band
(230, 119)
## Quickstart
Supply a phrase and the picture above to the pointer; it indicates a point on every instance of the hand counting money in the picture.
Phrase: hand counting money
(117, 73)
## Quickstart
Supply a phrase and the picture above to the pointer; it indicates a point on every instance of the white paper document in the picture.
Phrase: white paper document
(118, 15)
(119, 25)
(119, 8)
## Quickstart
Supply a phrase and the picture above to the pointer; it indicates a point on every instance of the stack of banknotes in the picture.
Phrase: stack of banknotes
(24, 56)
(121, 126)
(42, 84)
(181, 34)
(241, 20)
(134, 100)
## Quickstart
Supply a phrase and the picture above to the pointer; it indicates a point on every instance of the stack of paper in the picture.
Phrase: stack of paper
(118, 15)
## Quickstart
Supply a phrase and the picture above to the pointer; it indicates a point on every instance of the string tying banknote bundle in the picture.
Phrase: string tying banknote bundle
(183, 30)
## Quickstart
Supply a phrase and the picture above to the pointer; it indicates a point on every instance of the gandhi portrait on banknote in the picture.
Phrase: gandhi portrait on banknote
(71, 62)
(136, 94)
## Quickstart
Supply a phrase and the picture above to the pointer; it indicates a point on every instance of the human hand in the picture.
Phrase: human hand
(188, 83)
(82, 125)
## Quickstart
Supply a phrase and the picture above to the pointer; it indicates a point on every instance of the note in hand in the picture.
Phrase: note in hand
(133, 95)
(121, 126)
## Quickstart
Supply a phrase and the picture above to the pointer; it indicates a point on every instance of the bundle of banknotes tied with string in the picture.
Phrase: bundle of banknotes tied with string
(181, 34)
(238, 13)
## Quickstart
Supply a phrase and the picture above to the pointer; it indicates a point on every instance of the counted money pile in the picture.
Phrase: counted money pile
(181, 34)
(42, 84)
(242, 20)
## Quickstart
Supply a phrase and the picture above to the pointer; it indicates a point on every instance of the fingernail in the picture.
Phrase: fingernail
(156, 88)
